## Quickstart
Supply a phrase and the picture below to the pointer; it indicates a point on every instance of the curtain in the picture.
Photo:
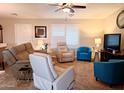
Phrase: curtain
(68, 33)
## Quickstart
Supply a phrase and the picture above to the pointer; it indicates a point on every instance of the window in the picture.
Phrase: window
(64, 33)
(72, 36)
(57, 34)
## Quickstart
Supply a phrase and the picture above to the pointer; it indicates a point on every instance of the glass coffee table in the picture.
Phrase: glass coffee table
(24, 74)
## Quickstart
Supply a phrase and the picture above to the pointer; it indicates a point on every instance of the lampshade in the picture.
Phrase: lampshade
(1, 27)
(40, 43)
(97, 40)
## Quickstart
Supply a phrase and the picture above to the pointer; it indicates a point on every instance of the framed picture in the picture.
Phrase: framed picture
(40, 32)
(120, 20)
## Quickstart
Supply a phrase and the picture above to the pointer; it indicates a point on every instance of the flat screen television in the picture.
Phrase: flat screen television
(112, 42)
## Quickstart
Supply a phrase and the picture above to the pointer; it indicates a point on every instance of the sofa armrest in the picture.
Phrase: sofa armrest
(22, 61)
(64, 80)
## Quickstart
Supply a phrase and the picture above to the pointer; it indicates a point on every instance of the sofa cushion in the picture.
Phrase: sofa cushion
(29, 47)
(20, 48)
(17, 49)
(22, 61)
(20, 52)
(68, 54)
(9, 59)
(22, 56)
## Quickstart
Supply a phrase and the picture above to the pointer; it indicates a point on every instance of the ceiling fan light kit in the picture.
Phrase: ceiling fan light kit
(66, 10)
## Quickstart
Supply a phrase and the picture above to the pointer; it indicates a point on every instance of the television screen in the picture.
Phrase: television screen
(113, 40)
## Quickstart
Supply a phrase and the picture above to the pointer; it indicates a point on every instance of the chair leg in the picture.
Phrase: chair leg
(96, 79)
(110, 85)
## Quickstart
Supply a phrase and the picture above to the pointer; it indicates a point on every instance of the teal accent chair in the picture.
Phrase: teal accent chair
(111, 72)
(84, 54)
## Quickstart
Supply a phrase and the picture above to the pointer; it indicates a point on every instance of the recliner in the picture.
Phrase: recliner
(45, 75)
(64, 54)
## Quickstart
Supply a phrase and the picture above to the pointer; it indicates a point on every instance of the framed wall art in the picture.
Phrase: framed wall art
(120, 20)
(40, 32)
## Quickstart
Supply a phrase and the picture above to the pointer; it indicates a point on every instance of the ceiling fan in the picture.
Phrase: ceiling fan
(68, 7)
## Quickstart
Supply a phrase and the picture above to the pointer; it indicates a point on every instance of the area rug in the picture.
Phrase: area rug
(8, 82)
(84, 79)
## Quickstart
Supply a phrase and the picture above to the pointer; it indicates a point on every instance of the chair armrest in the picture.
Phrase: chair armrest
(100, 68)
(116, 60)
(110, 72)
(72, 50)
(64, 81)
(106, 68)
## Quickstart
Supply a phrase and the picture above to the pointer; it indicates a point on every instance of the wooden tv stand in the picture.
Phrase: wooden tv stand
(105, 55)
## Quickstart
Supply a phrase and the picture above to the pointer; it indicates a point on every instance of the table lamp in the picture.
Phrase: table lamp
(97, 42)
(40, 44)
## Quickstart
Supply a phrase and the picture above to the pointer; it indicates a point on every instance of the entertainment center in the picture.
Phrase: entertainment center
(112, 50)
(112, 42)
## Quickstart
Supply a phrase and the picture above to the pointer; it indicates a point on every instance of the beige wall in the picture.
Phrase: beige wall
(111, 27)
(8, 32)
(89, 28)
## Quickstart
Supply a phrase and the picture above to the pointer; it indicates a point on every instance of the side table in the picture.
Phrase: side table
(41, 51)
(97, 56)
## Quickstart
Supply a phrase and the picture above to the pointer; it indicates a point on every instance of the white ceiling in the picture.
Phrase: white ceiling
(42, 11)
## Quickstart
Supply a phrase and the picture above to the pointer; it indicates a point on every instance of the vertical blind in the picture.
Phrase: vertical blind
(68, 33)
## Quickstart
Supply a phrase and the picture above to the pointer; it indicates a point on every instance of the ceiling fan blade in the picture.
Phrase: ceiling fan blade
(64, 3)
(71, 14)
(77, 6)
(72, 10)
(56, 4)
(58, 9)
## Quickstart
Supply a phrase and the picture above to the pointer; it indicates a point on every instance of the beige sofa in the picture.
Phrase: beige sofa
(17, 57)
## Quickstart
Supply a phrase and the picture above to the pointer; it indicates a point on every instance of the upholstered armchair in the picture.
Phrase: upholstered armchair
(64, 54)
(110, 72)
(84, 54)
(49, 77)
